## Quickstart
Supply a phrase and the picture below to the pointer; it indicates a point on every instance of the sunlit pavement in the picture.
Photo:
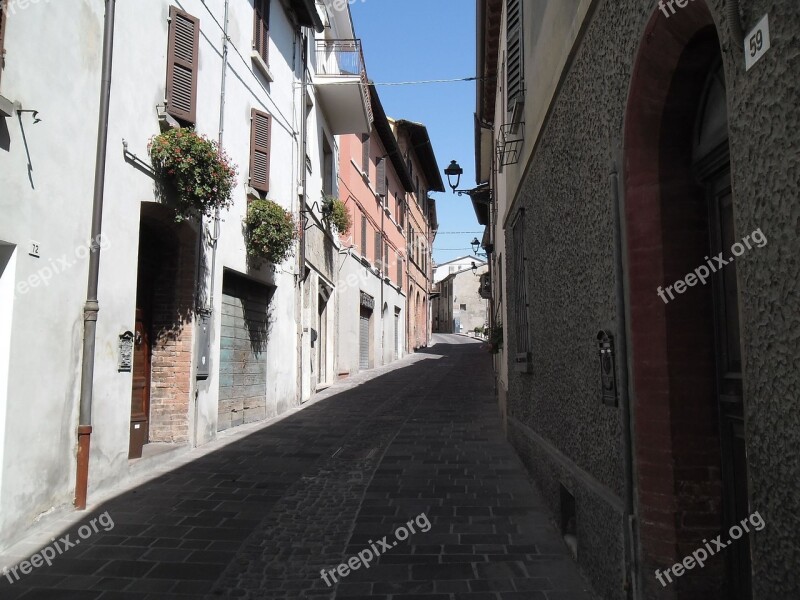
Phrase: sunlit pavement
(261, 517)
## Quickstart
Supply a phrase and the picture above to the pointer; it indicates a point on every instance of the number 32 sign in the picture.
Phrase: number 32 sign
(756, 43)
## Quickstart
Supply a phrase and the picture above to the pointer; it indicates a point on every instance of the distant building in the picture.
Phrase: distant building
(440, 271)
(458, 306)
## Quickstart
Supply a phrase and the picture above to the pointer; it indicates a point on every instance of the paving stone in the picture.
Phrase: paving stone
(418, 442)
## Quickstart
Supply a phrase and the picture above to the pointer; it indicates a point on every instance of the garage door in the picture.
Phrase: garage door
(363, 339)
(243, 360)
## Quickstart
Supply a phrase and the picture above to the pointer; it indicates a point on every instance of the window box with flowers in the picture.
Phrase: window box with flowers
(192, 172)
(270, 231)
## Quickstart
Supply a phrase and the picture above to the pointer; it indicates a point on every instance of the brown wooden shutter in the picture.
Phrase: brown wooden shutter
(514, 53)
(363, 236)
(380, 178)
(399, 270)
(365, 147)
(182, 65)
(261, 28)
(260, 141)
(378, 250)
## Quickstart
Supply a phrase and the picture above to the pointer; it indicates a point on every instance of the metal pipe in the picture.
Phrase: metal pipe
(621, 344)
(92, 307)
(735, 22)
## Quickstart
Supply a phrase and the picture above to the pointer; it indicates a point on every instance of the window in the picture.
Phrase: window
(462, 307)
(515, 86)
(378, 249)
(363, 235)
(386, 257)
(520, 294)
(399, 270)
(261, 29)
(327, 167)
(260, 138)
(400, 210)
(182, 65)
(365, 151)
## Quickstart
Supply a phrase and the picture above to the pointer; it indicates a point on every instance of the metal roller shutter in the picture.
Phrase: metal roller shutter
(243, 342)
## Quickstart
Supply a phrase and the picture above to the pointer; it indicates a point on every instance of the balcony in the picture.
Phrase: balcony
(340, 79)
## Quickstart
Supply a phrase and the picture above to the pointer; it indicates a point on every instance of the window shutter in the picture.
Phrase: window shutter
(364, 236)
(399, 270)
(260, 140)
(365, 154)
(378, 249)
(261, 29)
(514, 53)
(380, 183)
(182, 65)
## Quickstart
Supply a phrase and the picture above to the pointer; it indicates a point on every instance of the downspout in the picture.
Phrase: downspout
(621, 343)
(735, 22)
(92, 307)
(302, 207)
(383, 243)
(224, 78)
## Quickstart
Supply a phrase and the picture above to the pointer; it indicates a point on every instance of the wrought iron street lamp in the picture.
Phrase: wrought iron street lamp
(454, 170)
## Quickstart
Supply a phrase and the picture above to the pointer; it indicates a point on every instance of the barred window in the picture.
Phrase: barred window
(519, 285)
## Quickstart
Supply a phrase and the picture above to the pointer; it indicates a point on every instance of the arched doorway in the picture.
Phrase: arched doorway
(690, 456)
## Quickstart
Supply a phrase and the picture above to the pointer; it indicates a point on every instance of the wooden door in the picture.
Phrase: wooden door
(140, 391)
(730, 397)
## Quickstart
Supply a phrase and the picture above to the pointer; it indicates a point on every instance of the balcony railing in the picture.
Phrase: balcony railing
(340, 58)
(343, 60)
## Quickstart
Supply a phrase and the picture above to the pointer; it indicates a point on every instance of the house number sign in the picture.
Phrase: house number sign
(756, 43)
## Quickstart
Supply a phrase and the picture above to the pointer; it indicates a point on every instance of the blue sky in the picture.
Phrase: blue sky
(412, 40)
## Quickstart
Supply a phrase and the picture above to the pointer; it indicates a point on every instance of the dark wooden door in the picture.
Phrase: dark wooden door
(735, 502)
(140, 390)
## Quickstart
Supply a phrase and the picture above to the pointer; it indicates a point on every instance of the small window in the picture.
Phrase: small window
(399, 270)
(378, 249)
(182, 65)
(261, 28)
(260, 138)
(463, 306)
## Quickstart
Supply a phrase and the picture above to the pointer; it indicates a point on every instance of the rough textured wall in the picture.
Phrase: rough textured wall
(570, 279)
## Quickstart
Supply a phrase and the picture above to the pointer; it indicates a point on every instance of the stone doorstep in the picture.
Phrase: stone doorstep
(156, 461)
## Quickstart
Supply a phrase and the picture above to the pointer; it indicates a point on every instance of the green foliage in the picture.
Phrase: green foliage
(496, 338)
(335, 211)
(270, 231)
(194, 170)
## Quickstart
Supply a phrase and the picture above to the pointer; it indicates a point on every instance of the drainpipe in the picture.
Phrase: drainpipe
(92, 307)
(302, 207)
(735, 22)
(621, 339)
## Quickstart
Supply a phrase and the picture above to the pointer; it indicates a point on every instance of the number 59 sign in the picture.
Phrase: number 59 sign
(756, 43)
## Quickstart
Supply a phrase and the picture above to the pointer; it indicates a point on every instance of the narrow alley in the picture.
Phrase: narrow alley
(262, 516)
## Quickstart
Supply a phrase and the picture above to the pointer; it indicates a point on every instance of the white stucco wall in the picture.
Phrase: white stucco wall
(50, 203)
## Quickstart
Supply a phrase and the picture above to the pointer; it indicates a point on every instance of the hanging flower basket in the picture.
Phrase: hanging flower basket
(335, 212)
(192, 172)
(270, 231)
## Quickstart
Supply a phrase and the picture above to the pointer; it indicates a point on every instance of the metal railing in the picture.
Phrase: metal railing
(343, 58)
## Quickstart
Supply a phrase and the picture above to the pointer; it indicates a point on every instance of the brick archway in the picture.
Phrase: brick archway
(676, 438)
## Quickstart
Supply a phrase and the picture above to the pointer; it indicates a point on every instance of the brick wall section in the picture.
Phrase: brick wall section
(172, 346)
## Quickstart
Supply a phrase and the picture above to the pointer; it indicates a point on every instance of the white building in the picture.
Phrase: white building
(440, 271)
(155, 275)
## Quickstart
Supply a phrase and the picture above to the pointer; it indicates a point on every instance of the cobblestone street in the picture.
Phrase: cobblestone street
(263, 514)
